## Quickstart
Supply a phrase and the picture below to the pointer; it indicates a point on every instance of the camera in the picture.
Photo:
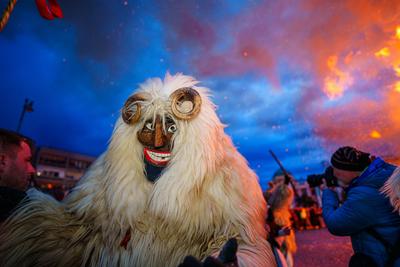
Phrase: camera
(315, 180)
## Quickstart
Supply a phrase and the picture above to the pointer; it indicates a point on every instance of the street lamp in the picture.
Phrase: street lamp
(28, 107)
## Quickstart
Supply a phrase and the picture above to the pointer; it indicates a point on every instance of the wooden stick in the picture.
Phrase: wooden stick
(6, 14)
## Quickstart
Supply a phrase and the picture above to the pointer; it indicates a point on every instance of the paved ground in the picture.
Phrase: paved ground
(319, 248)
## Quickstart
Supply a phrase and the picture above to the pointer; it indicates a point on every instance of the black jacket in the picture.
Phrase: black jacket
(9, 200)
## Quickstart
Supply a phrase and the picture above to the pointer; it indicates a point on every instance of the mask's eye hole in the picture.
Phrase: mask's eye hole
(172, 128)
(149, 126)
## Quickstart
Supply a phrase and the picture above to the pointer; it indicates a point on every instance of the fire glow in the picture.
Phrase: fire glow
(355, 68)
(384, 52)
(337, 82)
(372, 79)
(397, 87)
(375, 134)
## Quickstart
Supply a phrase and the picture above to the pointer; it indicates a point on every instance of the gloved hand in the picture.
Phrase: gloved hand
(226, 258)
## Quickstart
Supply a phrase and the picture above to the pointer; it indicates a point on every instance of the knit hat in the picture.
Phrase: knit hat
(350, 159)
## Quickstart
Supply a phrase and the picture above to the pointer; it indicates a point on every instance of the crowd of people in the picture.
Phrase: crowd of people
(353, 204)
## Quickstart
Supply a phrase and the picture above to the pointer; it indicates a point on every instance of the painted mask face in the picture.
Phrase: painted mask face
(156, 135)
(156, 141)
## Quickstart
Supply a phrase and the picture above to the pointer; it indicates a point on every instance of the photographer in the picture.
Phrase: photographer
(366, 215)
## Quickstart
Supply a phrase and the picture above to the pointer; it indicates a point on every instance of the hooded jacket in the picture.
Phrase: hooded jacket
(365, 207)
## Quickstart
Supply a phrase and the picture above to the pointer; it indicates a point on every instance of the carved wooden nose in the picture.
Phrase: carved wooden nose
(158, 134)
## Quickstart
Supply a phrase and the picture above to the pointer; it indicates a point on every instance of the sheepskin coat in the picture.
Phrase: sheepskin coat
(391, 189)
(116, 217)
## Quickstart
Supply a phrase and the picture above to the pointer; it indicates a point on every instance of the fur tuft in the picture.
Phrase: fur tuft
(392, 189)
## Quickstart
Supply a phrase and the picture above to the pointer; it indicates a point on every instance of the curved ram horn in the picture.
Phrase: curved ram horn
(132, 109)
(185, 103)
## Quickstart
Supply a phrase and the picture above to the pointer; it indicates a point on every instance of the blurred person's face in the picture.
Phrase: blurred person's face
(279, 180)
(17, 169)
(345, 177)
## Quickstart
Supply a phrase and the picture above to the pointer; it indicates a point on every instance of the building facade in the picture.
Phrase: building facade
(58, 171)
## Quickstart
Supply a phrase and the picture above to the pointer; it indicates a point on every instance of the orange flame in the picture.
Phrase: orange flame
(375, 134)
(397, 87)
(398, 32)
(395, 58)
(332, 89)
(397, 70)
(338, 81)
(384, 52)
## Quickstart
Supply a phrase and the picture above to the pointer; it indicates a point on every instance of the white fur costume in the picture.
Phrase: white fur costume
(206, 195)
(392, 189)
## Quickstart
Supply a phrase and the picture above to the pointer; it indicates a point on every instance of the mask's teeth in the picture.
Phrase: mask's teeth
(159, 157)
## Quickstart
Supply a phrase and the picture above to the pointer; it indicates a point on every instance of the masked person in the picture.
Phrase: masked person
(15, 170)
(171, 184)
(280, 197)
(366, 215)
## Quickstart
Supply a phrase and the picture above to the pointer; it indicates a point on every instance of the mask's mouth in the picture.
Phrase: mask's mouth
(156, 157)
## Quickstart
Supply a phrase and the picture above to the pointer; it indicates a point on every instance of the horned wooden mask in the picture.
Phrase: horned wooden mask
(185, 105)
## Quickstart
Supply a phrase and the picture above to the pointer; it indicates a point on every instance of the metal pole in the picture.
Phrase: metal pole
(288, 179)
(28, 107)
(21, 118)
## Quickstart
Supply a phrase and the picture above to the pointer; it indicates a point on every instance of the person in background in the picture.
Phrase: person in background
(366, 214)
(316, 216)
(16, 170)
(279, 220)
